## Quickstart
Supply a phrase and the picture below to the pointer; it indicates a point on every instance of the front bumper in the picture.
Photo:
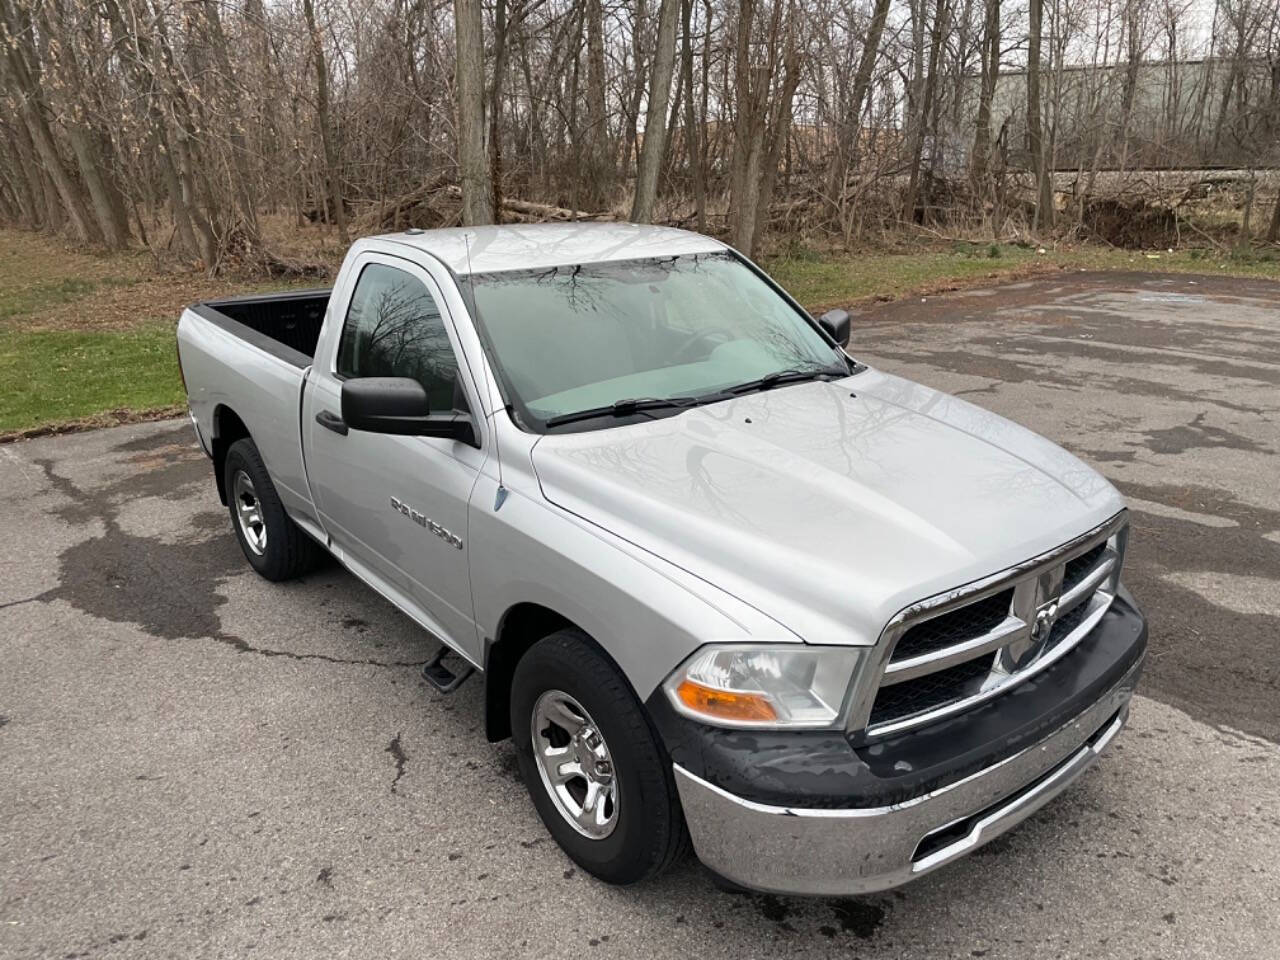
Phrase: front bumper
(815, 847)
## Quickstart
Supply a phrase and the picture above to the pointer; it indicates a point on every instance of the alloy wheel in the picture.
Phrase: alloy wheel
(575, 764)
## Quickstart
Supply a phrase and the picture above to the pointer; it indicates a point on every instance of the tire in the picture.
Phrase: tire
(274, 545)
(645, 833)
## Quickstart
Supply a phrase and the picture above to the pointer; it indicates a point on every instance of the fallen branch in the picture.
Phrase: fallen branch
(387, 214)
(278, 266)
(538, 211)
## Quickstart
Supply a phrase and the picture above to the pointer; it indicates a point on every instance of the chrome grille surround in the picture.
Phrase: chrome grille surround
(1044, 622)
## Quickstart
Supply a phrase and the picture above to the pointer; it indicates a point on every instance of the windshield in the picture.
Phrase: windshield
(586, 337)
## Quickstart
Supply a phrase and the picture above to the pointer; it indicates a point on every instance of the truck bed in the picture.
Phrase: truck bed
(246, 359)
(292, 319)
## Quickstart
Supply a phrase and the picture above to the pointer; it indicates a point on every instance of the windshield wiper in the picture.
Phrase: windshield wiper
(787, 376)
(625, 408)
(632, 406)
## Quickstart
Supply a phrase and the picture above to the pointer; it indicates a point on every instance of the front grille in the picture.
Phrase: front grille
(973, 620)
(1063, 626)
(984, 647)
(930, 691)
(1080, 567)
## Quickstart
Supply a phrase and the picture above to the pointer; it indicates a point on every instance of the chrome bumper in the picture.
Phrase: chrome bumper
(862, 850)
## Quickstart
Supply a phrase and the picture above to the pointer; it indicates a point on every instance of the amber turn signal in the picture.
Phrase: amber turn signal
(725, 704)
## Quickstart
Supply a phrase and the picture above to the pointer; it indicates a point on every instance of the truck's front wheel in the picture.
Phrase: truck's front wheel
(272, 543)
(592, 762)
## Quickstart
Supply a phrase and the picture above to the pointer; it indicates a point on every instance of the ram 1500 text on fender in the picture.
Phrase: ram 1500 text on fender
(724, 582)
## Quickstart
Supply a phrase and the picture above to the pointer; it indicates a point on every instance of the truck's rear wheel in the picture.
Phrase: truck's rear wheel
(594, 766)
(272, 543)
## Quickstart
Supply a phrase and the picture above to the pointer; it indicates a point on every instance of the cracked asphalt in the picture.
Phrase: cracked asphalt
(197, 763)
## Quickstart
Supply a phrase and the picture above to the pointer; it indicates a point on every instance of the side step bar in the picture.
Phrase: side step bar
(441, 677)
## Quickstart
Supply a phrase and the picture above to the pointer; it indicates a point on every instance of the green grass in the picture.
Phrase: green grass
(820, 281)
(16, 302)
(53, 376)
(60, 364)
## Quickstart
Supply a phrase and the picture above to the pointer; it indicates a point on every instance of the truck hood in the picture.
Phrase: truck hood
(829, 506)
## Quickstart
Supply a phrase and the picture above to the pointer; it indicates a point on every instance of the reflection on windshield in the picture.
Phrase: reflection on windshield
(581, 337)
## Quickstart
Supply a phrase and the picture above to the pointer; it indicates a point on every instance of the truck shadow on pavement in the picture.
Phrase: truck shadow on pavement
(167, 589)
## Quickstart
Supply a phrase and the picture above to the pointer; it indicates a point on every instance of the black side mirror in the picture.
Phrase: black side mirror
(399, 405)
(836, 323)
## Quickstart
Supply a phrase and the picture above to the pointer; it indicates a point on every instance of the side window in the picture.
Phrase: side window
(394, 329)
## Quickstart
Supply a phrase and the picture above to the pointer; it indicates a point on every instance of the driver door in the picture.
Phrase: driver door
(396, 507)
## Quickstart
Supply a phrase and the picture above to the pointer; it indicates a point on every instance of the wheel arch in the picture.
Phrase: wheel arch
(227, 429)
(520, 627)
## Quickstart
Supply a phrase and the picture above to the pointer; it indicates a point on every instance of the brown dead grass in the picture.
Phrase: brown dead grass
(49, 285)
(124, 307)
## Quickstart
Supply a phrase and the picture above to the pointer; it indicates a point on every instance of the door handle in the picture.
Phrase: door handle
(331, 421)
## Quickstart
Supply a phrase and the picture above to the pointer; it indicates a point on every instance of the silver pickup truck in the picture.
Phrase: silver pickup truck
(725, 584)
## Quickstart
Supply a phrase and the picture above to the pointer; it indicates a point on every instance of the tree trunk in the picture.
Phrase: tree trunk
(477, 196)
(72, 85)
(1035, 137)
(779, 131)
(751, 156)
(332, 175)
(206, 242)
(115, 234)
(242, 171)
(138, 60)
(8, 212)
(925, 107)
(741, 180)
(50, 161)
(495, 102)
(31, 174)
(745, 204)
(266, 139)
(21, 210)
(600, 163)
(55, 215)
(851, 128)
(673, 108)
(980, 162)
(109, 165)
(692, 134)
(15, 35)
(867, 64)
(1130, 78)
(637, 88)
(655, 125)
(538, 138)
(1273, 231)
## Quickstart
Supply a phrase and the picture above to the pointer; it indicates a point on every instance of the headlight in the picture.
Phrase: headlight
(750, 685)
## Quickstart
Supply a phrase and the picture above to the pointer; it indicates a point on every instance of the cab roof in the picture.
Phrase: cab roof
(537, 246)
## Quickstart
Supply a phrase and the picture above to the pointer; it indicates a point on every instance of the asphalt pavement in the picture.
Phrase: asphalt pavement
(197, 763)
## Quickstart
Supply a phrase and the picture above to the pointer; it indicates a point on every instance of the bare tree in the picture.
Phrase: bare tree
(331, 173)
(23, 72)
(927, 105)
(600, 152)
(980, 168)
(654, 147)
(185, 126)
(472, 168)
(1035, 130)
(692, 128)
